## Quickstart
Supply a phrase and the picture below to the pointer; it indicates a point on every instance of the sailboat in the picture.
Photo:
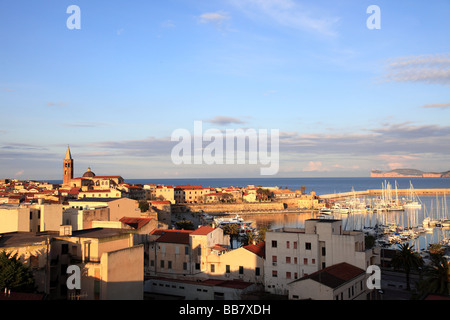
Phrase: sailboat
(413, 201)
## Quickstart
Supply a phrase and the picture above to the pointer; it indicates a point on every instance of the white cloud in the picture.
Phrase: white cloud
(217, 18)
(437, 105)
(433, 69)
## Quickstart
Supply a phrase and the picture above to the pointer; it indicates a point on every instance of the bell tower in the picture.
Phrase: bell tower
(68, 168)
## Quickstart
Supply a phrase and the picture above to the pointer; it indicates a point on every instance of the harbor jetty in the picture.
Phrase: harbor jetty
(379, 192)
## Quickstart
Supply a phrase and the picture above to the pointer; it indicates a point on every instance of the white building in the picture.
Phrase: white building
(341, 281)
(292, 253)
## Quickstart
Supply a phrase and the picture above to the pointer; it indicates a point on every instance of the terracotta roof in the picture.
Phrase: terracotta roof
(202, 231)
(190, 187)
(135, 223)
(335, 275)
(259, 249)
(96, 191)
(172, 236)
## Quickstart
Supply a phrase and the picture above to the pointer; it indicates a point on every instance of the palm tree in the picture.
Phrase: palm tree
(250, 238)
(232, 229)
(406, 259)
(437, 276)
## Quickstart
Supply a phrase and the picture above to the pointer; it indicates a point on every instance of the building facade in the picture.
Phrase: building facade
(292, 253)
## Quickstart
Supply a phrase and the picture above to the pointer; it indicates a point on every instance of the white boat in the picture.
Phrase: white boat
(412, 205)
(325, 211)
(413, 201)
(244, 226)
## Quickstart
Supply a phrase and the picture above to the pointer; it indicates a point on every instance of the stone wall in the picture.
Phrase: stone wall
(229, 207)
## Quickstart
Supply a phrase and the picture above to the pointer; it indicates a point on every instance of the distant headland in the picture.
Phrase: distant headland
(410, 173)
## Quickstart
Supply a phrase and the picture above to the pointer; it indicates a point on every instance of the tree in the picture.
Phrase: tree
(436, 277)
(185, 225)
(407, 260)
(250, 238)
(369, 241)
(14, 275)
(231, 229)
(144, 206)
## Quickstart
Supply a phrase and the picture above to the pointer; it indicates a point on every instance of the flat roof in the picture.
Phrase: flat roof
(94, 200)
(98, 233)
(17, 239)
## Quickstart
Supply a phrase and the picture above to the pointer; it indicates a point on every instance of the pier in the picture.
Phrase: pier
(379, 192)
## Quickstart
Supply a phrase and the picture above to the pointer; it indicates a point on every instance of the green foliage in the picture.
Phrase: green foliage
(144, 206)
(369, 241)
(185, 225)
(407, 260)
(14, 275)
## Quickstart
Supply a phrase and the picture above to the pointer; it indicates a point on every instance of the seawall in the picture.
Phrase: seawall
(379, 192)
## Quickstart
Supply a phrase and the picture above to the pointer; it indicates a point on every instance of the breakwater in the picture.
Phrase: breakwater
(379, 193)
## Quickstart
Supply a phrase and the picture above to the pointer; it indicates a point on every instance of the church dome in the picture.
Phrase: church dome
(88, 174)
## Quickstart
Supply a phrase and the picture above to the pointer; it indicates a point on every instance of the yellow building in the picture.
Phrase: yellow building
(33, 250)
(112, 267)
(183, 253)
(30, 218)
(245, 263)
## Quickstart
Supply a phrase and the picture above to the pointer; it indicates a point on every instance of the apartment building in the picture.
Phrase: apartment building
(191, 193)
(183, 253)
(245, 263)
(118, 207)
(292, 253)
(30, 218)
(341, 281)
(112, 267)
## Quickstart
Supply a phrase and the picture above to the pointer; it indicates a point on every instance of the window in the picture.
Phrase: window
(213, 268)
(169, 264)
(227, 268)
(305, 261)
(241, 270)
(295, 260)
(162, 264)
(274, 243)
(184, 265)
(274, 273)
(64, 248)
(197, 266)
(323, 251)
(257, 271)
(288, 275)
(288, 259)
(274, 260)
(287, 244)
(308, 246)
(186, 250)
(295, 244)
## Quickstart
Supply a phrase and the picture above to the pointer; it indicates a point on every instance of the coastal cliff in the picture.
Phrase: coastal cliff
(408, 173)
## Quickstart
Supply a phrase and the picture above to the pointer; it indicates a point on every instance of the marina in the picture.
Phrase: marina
(420, 226)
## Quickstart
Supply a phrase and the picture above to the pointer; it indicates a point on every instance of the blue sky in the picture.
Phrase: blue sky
(345, 98)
